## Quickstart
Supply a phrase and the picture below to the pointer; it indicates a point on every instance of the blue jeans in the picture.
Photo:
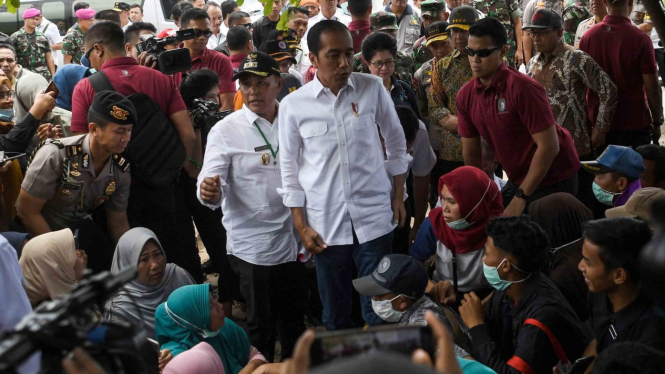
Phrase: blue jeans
(334, 271)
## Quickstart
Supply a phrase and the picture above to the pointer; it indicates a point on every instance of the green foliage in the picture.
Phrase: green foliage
(12, 5)
(283, 23)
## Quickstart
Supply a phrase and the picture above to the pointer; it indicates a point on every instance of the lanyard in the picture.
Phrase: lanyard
(274, 153)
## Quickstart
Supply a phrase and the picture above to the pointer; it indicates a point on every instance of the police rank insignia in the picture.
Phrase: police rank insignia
(119, 113)
(110, 188)
(75, 173)
(86, 160)
(265, 159)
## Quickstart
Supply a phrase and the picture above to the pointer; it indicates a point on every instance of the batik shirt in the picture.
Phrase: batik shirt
(566, 75)
(449, 75)
(31, 50)
(72, 44)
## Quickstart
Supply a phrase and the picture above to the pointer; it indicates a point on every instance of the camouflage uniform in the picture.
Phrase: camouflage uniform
(72, 44)
(573, 15)
(505, 11)
(31, 50)
(431, 9)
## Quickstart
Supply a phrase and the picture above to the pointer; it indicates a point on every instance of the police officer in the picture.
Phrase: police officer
(508, 13)
(69, 179)
(432, 11)
(438, 45)
(386, 22)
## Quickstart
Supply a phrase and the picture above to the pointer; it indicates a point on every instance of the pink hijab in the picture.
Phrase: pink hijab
(201, 359)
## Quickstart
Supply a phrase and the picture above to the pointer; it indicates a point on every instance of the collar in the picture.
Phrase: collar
(396, 85)
(499, 77)
(26, 32)
(266, 21)
(318, 87)
(252, 117)
(358, 25)
(223, 29)
(558, 51)
(407, 11)
(119, 61)
(616, 19)
(203, 56)
(86, 153)
(236, 58)
(630, 313)
(531, 288)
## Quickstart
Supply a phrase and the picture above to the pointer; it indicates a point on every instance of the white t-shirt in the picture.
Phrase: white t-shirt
(50, 30)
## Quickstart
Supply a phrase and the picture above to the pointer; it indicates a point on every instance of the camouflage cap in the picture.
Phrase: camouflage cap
(431, 8)
(383, 21)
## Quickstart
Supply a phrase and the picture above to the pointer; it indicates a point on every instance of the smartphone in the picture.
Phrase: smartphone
(330, 346)
(76, 238)
(580, 365)
(52, 87)
(4, 157)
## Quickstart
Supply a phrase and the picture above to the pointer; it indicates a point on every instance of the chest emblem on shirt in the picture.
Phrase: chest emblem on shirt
(119, 113)
(125, 73)
(354, 107)
(501, 105)
(265, 158)
(110, 188)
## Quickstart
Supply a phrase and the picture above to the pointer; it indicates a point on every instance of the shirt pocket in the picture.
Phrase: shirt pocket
(411, 34)
(314, 129)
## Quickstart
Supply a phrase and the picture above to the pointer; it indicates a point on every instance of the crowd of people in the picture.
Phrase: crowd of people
(484, 167)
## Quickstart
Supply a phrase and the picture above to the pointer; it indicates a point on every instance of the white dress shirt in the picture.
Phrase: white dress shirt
(332, 160)
(259, 228)
(218, 39)
(339, 16)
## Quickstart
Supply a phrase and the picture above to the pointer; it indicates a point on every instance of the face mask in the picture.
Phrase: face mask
(85, 62)
(384, 309)
(493, 278)
(203, 332)
(462, 224)
(603, 196)
(7, 115)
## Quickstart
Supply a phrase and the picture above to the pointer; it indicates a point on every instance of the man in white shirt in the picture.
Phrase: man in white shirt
(335, 177)
(241, 173)
(216, 21)
(330, 11)
(50, 30)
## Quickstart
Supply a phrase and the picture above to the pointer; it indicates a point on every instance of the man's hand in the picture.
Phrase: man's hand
(300, 360)
(445, 359)
(80, 362)
(211, 190)
(598, 139)
(44, 103)
(519, 58)
(147, 60)
(444, 293)
(472, 311)
(5, 167)
(655, 134)
(165, 356)
(49, 131)
(515, 208)
(399, 212)
(413, 233)
(312, 240)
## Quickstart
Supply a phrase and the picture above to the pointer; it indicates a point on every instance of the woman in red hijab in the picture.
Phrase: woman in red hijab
(468, 200)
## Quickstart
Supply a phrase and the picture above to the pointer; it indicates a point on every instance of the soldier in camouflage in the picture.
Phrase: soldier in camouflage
(386, 22)
(33, 50)
(432, 11)
(72, 43)
(573, 15)
(509, 14)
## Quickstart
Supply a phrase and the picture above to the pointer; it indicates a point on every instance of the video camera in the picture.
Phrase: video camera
(202, 119)
(56, 327)
(168, 62)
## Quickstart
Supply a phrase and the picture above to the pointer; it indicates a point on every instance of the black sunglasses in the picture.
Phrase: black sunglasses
(205, 33)
(87, 54)
(482, 53)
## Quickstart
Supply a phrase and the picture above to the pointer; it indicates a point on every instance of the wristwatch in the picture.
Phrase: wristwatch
(520, 193)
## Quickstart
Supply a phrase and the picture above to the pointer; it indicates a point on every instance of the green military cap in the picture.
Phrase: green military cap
(383, 21)
(463, 17)
(431, 8)
(114, 108)
(436, 31)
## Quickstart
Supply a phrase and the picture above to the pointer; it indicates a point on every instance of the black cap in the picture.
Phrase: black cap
(545, 18)
(462, 17)
(258, 63)
(120, 7)
(290, 36)
(399, 274)
(279, 50)
(114, 108)
(436, 31)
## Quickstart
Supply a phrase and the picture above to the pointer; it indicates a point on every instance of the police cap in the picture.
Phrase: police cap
(114, 108)
(258, 63)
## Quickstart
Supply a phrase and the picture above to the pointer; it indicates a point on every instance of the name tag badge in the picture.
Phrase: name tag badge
(261, 148)
(71, 186)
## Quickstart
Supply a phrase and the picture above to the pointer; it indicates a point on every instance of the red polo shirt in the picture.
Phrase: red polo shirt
(625, 53)
(506, 114)
(236, 60)
(359, 31)
(127, 77)
(217, 62)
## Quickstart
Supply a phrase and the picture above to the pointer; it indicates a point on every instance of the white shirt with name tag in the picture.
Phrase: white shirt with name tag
(259, 228)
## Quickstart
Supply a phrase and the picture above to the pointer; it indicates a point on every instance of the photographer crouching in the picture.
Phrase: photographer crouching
(200, 92)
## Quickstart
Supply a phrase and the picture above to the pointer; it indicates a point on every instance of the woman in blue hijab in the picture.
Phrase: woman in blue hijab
(191, 315)
(66, 79)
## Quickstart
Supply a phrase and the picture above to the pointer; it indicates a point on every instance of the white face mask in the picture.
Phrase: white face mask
(205, 333)
(384, 309)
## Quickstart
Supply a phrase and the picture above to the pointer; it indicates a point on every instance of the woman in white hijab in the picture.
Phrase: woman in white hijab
(51, 265)
(156, 279)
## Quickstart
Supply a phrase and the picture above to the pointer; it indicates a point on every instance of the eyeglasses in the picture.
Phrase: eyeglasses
(204, 33)
(87, 54)
(378, 64)
(540, 32)
(6, 95)
(482, 53)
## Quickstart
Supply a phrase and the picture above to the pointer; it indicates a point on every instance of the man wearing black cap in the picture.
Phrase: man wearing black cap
(123, 12)
(449, 75)
(397, 288)
(241, 173)
(432, 11)
(69, 178)
(575, 72)
(281, 52)
(439, 45)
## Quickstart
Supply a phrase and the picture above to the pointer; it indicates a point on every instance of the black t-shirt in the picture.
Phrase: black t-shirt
(262, 27)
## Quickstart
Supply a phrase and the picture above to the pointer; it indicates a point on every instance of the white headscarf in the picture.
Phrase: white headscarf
(147, 298)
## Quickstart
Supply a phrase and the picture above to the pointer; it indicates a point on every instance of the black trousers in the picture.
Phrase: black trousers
(401, 234)
(276, 297)
(631, 139)
(568, 185)
(213, 234)
(660, 59)
(155, 209)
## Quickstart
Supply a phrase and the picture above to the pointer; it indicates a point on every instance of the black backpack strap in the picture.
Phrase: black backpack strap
(100, 82)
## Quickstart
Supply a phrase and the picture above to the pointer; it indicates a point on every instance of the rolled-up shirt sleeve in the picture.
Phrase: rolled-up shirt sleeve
(217, 161)
(290, 147)
(398, 160)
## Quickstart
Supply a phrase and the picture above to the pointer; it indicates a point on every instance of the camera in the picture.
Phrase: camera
(168, 62)
(202, 119)
(56, 327)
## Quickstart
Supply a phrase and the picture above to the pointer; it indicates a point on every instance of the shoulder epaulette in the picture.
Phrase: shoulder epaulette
(121, 163)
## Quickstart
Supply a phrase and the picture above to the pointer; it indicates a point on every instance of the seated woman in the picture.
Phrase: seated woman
(202, 359)
(379, 51)
(191, 316)
(156, 279)
(51, 265)
(469, 199)
(561, 215)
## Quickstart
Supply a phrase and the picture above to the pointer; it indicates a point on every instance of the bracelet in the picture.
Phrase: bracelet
(193, 161)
